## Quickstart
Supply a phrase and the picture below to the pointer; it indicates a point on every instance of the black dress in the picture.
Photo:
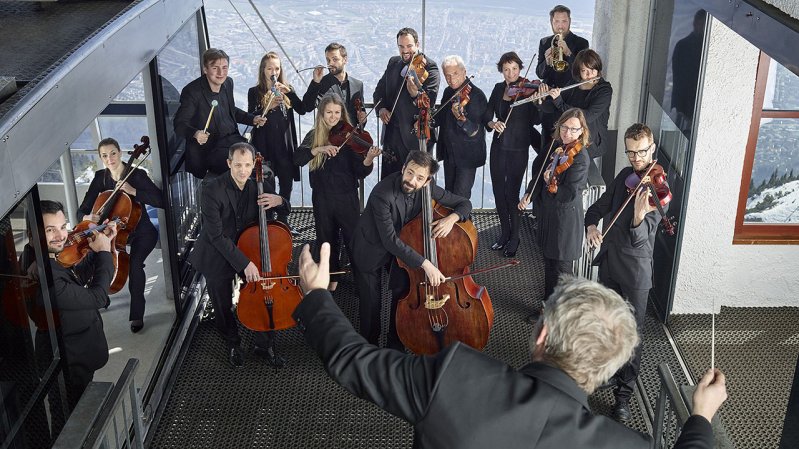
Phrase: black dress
(144, 237)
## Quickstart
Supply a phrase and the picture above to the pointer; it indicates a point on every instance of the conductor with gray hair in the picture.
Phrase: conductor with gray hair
(462, 398)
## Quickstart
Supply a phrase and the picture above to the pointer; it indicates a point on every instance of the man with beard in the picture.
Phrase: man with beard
(337, 80)
(395, 87)
(395, 201)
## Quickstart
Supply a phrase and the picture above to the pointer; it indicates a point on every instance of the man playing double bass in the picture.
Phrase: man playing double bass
(230, 204)
(392, 88)
(395, 201)
(625, 257)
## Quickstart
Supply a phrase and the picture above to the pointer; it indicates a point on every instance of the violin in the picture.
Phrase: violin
(267, 304)
(416, 69)
(561, 161)
(459, 109)
(654, 180)
(358, 106)
(422, 125)
(77, 244)
(522, 88)
(358, 140)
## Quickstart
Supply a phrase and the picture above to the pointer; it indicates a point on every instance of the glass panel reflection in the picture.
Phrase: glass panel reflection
(782, 88)
(773, 195)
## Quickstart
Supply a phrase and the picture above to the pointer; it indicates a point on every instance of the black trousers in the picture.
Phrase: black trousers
(369, 291)
(334, 213)
(284, 172)
(458, 180)
(507, 173)
(637, 298)
(553, 268)
(142, 244)
(221, 293)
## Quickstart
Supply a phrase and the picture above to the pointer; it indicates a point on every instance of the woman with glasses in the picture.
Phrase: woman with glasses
(592, 98)
(513, 135)
(560, 228)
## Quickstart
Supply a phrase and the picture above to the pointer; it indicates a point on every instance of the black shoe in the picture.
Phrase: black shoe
(235, 357)
(270, 356)
(509, 252)
(621, 411)
(136, 325)
(498, 245)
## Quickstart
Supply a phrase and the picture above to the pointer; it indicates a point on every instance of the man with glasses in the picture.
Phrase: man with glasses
(625, 255)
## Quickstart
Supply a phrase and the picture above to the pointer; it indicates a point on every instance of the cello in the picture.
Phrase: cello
(430, 318)
(267, 305)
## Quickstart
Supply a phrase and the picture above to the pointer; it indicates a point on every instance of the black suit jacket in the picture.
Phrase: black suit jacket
(376, 238)
(626, 249)
(462, 142)
(462, 398)
(520, 133)
(79, 308)
(329, 83)
(399, 137)
(560, 229)
(595, 106)
(215, 254)
(546, 73)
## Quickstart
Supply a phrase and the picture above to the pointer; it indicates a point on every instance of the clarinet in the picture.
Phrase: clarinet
(278, 94)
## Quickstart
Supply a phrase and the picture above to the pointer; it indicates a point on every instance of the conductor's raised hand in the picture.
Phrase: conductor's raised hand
(314, 276)
(201, 137)
(269, 200)
(711, 392)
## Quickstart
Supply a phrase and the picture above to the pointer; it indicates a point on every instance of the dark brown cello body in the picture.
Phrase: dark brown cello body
(431, 318)
(267, 305)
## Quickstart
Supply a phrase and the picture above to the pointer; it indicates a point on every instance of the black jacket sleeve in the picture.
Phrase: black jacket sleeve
(303, 155)
(488, 115)
(99, 268)
(381, 212)
(309, 99)
(459, 204)
(601, 206)
(600, 102)
(189, 104)
(146, 191)
(696, 433)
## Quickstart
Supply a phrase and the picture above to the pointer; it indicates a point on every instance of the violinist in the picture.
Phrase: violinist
(461, 143)
(569, 43)
(80, 292)
(394, 202)
(625, 255)
(274, 99)
(593, 98)
(142, 241)
(229, 205)
(337, 81)
(210, 130)
(514, 133)
(334, 174)
(560, 230)
(395, 91)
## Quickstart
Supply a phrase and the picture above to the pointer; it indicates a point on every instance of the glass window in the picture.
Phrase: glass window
(133, 92)
(769, 202)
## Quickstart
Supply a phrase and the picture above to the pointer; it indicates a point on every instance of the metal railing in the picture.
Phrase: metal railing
(679, 406)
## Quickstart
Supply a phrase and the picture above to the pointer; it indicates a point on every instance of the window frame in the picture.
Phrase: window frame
(761, 233)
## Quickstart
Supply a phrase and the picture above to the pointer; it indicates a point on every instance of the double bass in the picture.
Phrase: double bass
(430, 318)
(267, 304)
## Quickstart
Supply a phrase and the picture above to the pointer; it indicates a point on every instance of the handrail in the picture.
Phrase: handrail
(131, 415)
(669, 391)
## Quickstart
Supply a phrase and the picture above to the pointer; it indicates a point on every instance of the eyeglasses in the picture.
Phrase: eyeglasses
(566, 129)
(640, 153)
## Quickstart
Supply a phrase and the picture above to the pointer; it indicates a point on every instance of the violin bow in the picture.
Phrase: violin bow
(292, 276)
(629, 197)
(457, 92)
(359, 125)
(516, 97)
(540, 171)
(402, 85)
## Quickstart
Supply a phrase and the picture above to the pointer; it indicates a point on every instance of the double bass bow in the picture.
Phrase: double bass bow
(429, 318)
(267, 304)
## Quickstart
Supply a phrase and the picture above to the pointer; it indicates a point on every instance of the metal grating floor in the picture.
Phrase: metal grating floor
(298, 406)
(757, 349)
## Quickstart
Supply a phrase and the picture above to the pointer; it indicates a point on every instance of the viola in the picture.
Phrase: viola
(654, 180)
(360, 141)
(422, 125)
(459, 109)
(267, 304)
(416, 69)
(358, 104)
(561, 161)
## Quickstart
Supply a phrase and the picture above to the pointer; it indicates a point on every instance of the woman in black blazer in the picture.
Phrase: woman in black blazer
(277, 139)
(144, 238)
(509, 150)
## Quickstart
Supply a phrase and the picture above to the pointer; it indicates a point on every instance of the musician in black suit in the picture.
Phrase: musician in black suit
(625, 257)
(207, 151)
(560, 229)
(399, 138)
(80, 292)
(462, 398)
(461, 142)
(229, 205)
(338, 81)
(570, 44)
(395, 201)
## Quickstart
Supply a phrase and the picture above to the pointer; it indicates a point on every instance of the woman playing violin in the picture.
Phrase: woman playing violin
(560, 228)
(509, 149)
(144, 238)
(593, 98)
(277, 139)
(334, 174)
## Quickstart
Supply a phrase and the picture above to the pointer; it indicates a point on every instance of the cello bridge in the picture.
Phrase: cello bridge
(267, 285)
(432, 303)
